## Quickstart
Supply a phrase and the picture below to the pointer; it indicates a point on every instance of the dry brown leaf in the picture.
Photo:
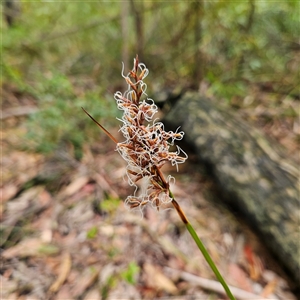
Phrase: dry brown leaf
(29, 247)
(87, 278)
(63, 274)
(7, 192)
(44, 198)
(169, 247)
(19, 166)
(64, 293)
(7, 287)
(93, 294)
(75, 186)
(269, 288)
(254, 263)
(158, 280)
(256, 269)
(240, 277)
(17, 111)
(107, 230)
(28, 203)
(100, 179)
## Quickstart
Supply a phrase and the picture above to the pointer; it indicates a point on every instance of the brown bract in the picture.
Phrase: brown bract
(146, 147)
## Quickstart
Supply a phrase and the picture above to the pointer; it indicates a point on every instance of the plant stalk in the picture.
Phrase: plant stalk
(201, 246)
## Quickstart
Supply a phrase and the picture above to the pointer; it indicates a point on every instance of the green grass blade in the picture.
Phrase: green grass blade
(200, 245)
(209, 259)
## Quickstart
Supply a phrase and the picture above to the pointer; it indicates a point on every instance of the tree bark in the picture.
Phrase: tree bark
(11, 11)
(251, 172)
(138, 13)
(198, 62)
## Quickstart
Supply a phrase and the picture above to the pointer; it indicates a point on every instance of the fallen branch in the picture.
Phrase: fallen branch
(214, 286)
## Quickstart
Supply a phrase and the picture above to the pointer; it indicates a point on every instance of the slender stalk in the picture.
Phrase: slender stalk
(201, 246)
(106, 131)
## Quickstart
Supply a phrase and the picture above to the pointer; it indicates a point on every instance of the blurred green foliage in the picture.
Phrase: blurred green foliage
(68, 55)
(130, 273)
(61, 116)
(109, 205)
(92, 233)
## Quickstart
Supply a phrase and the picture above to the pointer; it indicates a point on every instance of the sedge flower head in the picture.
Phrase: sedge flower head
(146, 147)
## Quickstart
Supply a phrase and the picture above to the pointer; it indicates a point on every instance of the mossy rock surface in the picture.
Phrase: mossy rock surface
(251, 171)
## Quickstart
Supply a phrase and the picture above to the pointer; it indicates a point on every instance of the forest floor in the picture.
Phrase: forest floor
(72, 237)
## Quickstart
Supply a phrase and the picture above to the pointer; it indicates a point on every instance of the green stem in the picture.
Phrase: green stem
(209, 260)
(201, 246)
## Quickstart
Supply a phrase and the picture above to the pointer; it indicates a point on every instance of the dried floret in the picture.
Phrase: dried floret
(146, 147)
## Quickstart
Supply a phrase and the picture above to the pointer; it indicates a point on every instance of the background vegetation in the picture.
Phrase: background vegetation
(68, 55)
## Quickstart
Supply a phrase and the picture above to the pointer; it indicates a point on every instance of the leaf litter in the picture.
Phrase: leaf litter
(70, 242)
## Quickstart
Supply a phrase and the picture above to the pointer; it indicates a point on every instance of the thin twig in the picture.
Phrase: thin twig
(215, 286)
